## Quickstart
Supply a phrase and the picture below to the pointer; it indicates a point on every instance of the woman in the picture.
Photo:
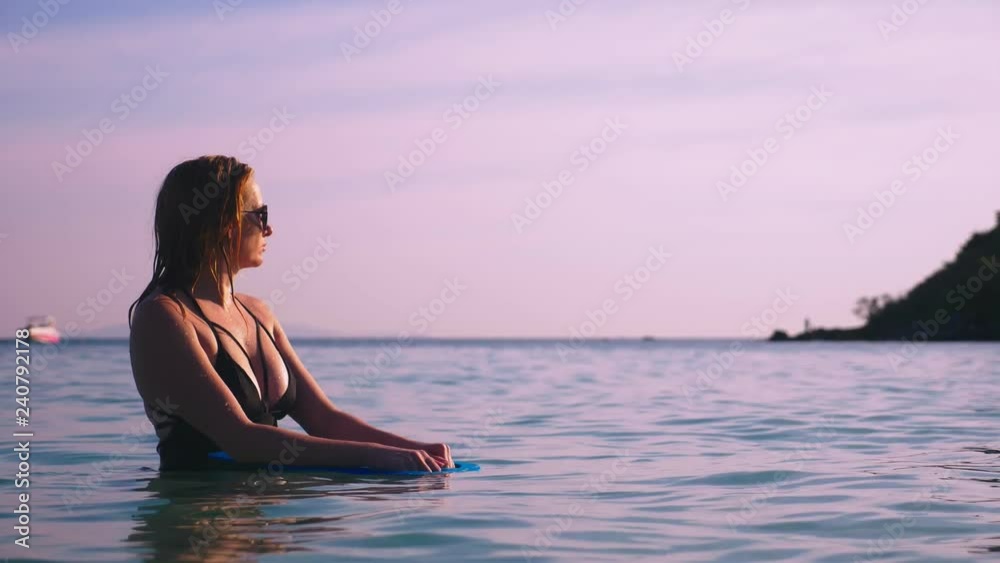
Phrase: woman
(208, 379)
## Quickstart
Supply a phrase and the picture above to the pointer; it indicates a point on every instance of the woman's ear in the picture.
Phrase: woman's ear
(233, 231)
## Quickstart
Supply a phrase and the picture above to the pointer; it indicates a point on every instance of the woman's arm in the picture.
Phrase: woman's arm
(171, 366)
(320, 417)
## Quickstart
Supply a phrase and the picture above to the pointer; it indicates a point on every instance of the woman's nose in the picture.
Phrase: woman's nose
(268, 231)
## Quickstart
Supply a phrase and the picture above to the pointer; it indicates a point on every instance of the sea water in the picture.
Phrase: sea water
(607, 451)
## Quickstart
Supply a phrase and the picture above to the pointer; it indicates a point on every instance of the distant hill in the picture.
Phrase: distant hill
(960, 301)
(293, 330)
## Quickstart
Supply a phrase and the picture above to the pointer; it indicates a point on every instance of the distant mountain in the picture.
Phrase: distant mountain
(113, 331)
(960, 301)
(293, 330)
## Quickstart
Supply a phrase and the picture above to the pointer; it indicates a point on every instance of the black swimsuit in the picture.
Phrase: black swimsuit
(184, 447)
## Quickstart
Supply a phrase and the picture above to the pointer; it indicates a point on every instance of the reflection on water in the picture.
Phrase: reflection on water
(991, 469)
(219, 516)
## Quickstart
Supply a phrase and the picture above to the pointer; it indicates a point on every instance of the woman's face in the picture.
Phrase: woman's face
(253, 243)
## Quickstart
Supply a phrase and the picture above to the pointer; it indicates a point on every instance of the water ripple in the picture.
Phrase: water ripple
(818, 452)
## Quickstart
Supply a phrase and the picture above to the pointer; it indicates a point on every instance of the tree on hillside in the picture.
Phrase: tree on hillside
(868, 307)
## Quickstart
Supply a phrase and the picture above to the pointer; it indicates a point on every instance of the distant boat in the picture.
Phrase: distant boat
(648, 339)
(43, 329)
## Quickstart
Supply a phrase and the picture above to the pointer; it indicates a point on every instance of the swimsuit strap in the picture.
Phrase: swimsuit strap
(201, 314)
(260, 324)
(260, 350)
(268, 333)
(214, 325)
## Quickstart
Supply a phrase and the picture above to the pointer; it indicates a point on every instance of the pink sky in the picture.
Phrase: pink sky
(323, 174)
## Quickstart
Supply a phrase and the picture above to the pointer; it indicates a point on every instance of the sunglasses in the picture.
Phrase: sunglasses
(261, 216)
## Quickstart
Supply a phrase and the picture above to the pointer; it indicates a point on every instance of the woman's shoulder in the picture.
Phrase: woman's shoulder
(157, 309)
(258, 307)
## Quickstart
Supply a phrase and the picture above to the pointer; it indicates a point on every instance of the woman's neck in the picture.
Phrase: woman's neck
(208, 289)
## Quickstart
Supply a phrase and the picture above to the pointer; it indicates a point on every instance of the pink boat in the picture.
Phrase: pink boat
(43, 329)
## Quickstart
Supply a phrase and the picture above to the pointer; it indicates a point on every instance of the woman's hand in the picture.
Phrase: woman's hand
(440, 452)
(388, 458)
